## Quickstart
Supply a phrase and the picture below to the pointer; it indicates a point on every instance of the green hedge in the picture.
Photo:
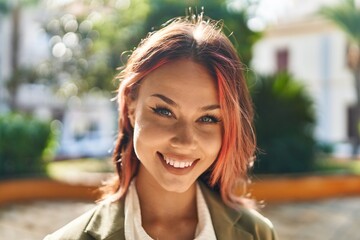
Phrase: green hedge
(284, 124)
(23, 141)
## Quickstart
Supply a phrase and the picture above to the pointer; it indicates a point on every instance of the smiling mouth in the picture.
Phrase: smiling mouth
(177, 164)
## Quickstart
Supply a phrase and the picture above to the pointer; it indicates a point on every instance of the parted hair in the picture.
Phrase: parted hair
(200, 40)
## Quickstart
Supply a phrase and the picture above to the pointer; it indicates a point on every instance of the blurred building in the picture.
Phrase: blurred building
(28, 29)
(33, 49)
(89, 127)
(314, 51)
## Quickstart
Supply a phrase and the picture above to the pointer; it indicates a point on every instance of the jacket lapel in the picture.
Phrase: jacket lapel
(224, 218)
(107, 222)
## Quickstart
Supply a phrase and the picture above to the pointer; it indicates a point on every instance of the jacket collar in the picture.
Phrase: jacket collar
(225, 219)
(108, 220)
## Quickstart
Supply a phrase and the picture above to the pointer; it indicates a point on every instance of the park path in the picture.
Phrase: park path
(330, 219)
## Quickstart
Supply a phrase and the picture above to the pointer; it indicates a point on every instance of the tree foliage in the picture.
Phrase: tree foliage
(116, 30)
(347, 16)
(24, 141)
(284, 125)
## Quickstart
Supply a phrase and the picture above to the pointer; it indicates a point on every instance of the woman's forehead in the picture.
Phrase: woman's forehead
(184, 78)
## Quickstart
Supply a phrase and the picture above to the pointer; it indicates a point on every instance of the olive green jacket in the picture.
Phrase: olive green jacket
(106, 221)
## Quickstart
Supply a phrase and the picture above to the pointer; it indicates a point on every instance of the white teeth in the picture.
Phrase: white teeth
(177, 164)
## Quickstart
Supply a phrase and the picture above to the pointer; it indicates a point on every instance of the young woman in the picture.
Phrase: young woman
(185, 142)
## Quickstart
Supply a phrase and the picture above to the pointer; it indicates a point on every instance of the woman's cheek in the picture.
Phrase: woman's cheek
(150, 128)
(211, 139)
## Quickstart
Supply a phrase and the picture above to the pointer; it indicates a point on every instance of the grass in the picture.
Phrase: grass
(330, 165)
(57, 169)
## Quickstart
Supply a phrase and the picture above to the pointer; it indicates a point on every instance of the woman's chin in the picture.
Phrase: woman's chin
(177, 187)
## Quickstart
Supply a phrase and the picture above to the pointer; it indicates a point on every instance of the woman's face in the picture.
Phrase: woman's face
(177, 124)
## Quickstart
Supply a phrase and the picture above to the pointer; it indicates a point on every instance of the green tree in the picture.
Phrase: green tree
(346, 15)
(120, 29)
(24, 142)
(87, 47)
(284, 124)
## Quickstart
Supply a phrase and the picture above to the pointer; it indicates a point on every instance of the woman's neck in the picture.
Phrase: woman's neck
(160, 203)
(162, 210)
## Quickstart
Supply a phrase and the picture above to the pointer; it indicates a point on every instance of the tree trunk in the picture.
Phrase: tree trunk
(15, 34)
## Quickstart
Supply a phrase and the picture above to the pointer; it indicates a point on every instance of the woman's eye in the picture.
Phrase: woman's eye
(209, 119)
(162, 111)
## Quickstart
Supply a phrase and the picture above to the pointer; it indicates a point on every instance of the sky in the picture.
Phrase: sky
(269, 12)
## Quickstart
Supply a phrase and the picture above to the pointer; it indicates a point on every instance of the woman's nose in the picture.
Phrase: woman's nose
(184, 136)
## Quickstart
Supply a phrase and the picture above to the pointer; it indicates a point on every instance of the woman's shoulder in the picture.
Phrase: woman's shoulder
(252, 221)
(103, 220)
(74, 229)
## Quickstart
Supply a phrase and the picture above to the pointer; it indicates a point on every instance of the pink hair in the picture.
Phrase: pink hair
(203, 42)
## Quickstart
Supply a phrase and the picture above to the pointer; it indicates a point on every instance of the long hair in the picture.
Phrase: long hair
(203, 42)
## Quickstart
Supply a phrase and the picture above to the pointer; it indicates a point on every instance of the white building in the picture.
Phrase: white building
(89, 127)
(314, 51)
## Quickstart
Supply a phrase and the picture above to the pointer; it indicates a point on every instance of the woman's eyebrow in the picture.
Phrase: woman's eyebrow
(165, 99)
(210, 107)
(172, 103)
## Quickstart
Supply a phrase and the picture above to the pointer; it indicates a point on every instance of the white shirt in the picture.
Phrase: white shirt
(133, 225)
